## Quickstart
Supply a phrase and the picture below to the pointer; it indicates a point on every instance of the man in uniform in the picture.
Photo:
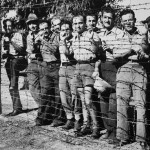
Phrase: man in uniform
(131, 79)
(13, 50)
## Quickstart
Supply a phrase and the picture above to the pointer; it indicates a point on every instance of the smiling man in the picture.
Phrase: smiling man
(70, 104)
(85, 47)
(91, 21)
(13, 50)
(109, 35)
(43, 73)
(131, 79)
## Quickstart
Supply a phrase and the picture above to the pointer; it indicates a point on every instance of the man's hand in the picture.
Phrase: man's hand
(106, 47)
(95, 74)
(138, 51)
(75, 35)
(90, 34)
(142, 55)
(64, 36)
(136, 47)
(6, 39)
(5, 52)
(31, 56)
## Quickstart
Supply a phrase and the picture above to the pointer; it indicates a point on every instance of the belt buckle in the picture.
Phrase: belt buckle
(65, 64)
(131, 60)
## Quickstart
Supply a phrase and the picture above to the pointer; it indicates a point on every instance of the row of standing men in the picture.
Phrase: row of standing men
(66, 66)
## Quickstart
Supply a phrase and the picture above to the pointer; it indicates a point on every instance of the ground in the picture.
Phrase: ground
(19, 132)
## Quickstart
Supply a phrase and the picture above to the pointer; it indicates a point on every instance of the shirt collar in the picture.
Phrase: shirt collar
(83, 33)
(137, 31)
(106, 32)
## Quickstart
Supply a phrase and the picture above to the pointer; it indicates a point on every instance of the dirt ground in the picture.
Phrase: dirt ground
(19, 132)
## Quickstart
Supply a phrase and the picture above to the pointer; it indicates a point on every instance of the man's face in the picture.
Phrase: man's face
(128, 22)
(33, 26)
(78, 24)
(65, 31)
(8, 26)
(56, 25)
(44, 29)
(107, 20)
(90, 22)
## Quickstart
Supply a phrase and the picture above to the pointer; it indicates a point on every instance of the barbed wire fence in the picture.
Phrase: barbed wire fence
(29, 103)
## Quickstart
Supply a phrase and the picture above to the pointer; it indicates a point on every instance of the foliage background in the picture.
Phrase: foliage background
(59, 7)
(44, 7)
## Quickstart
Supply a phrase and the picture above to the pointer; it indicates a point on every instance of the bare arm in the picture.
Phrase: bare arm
(125, 54)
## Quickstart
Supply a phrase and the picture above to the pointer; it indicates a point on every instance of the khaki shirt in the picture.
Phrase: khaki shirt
(112, 40)
(49, 48)
(17, 38)
(84, 48)
(134, 41)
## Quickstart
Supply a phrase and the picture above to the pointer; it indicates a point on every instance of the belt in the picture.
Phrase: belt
(15, 56)
(52, 62)
(86, 61)
(34, 59)
(132, 61)
(110, 60)
(39, 59)
(67, 64)
(19, 56)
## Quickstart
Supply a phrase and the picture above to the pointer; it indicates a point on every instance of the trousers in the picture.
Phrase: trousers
(108, 103)
(13, 66)
(44, 87)
(131, 84)
(70, 102)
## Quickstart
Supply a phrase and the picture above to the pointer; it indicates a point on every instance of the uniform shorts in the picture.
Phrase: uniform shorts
(83, 75)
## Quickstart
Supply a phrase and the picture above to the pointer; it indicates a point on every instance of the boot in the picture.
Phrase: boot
(86, 129)
(96, 133)
(15, 99)
(69, 124)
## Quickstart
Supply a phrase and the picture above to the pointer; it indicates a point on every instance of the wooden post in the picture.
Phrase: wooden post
(0, 68)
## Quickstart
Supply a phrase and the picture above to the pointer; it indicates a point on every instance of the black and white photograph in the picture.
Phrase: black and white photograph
(75, 75)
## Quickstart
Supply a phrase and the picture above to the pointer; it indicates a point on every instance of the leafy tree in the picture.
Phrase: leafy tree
(43, 7)
(63, 8)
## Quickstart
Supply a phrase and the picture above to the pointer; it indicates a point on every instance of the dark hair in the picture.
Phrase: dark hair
(4, 23)
(108, 9)
(66, 22)
(45, 21)
(84, 17)
(55, 18)
(127, 11)
(92, 14)
(20, 24)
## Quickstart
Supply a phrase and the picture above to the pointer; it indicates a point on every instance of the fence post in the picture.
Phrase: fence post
(0, 67)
